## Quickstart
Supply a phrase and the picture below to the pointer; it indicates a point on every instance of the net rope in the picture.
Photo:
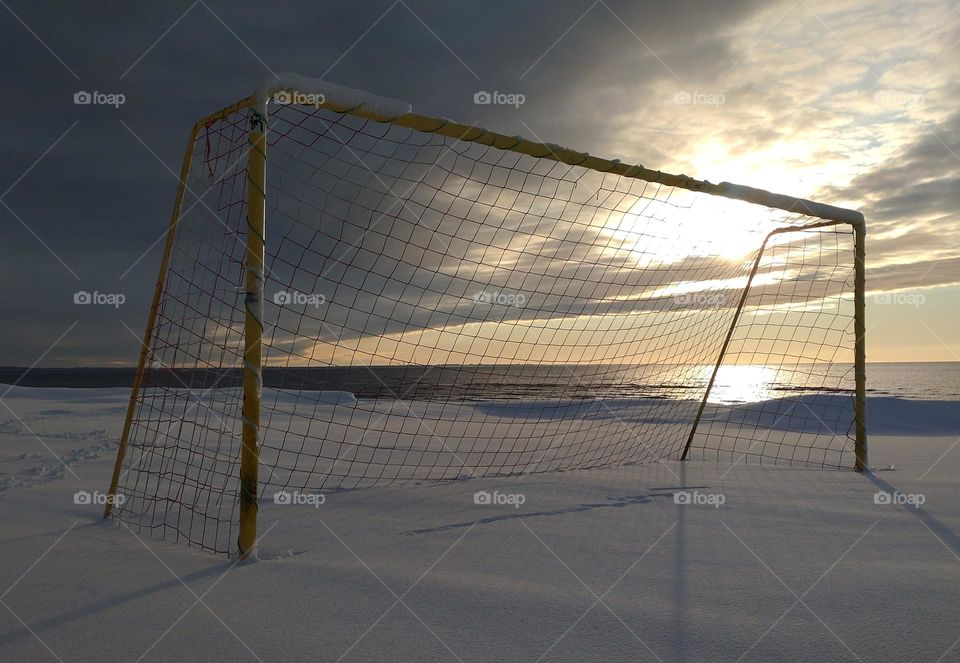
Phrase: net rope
(438, 309)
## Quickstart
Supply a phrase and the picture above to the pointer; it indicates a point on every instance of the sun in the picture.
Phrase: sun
(689, 225)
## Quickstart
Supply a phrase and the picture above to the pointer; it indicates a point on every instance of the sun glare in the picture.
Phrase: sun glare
(663, 232)
(741, 384)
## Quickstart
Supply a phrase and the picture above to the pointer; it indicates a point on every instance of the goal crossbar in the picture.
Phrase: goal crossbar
(473, 133)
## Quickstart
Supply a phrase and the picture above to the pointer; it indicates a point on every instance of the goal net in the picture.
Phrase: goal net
(441, 302)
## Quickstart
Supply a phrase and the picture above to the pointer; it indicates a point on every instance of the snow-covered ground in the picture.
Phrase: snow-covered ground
(763, 564)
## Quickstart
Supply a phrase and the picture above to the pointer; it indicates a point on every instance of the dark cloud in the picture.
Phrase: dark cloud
(100, 200)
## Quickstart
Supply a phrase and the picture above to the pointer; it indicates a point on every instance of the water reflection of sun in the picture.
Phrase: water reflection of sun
(741, 384)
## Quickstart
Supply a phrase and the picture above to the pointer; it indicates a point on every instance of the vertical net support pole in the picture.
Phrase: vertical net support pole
(253, 329)
(860, 350)
(151, 321)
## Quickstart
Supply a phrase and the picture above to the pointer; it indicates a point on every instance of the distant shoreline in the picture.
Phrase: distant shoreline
(916, 380)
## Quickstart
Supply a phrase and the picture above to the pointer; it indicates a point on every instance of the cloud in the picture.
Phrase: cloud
(910, 201)
(799, 113)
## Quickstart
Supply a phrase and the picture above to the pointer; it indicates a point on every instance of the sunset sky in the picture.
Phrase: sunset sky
(850, 103)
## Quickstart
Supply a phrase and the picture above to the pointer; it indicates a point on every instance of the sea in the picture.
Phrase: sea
(939, 381)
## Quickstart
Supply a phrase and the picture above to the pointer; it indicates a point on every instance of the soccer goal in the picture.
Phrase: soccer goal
(352, 294)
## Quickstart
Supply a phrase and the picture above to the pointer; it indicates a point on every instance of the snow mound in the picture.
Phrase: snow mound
(887, 415)
(277, 396)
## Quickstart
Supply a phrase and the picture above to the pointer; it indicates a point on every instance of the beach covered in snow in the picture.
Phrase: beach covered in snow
(718, 561)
